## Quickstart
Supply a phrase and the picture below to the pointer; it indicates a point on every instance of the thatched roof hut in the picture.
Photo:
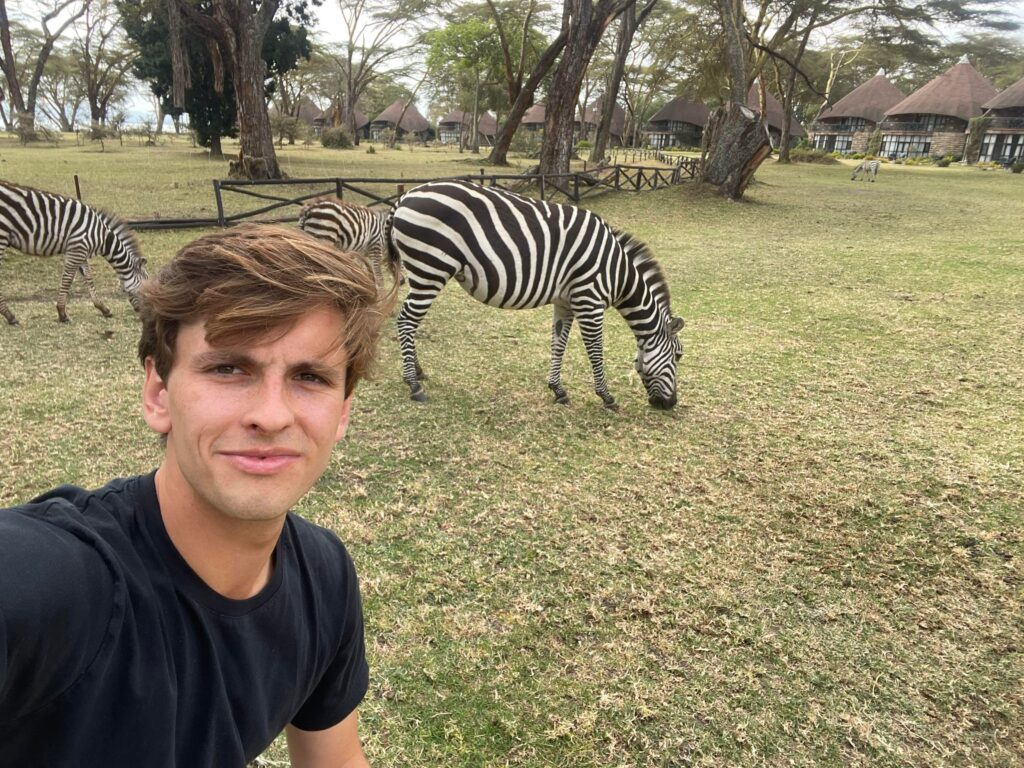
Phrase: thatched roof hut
(412, 121)
(869, 100)
(1010, 98)
(487, 125)
(682, 110)
(958, 92)
(775, 118)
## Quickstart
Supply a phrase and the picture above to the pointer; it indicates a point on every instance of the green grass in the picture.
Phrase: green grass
(815, 560)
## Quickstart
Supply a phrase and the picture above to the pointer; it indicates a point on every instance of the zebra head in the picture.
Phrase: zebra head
(121, 249)
(657, 356)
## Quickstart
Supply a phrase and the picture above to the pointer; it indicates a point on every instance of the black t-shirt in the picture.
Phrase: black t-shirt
(113, 652)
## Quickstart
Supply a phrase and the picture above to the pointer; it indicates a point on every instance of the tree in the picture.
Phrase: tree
(23, 84)
(102, 60)
(61, 92)
(236, 31)
(583, 22)
(521, 54)
(370, 51)
(463, 57)
(630, 22)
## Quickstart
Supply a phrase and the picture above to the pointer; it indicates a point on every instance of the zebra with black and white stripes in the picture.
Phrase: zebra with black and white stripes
(351, 228)
(44, 224)
(869, 168)
(516, 253)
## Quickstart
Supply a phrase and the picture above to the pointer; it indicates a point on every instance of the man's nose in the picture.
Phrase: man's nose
(271, 408)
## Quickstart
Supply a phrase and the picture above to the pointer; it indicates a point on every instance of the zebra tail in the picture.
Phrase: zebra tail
(394, 260)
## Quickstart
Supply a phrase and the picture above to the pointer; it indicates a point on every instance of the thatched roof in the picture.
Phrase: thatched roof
(534, 115)
(361, 120)
(775, 117)
(592, 116)
(682, 110)
(488, 125)
(1010, 98)
(412, 122)
(959, 92)
(869, 100)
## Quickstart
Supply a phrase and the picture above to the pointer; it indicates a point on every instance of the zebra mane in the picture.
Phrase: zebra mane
(121, 231)
(640, 254)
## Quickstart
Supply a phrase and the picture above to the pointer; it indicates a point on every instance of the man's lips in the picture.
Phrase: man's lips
(261, 462)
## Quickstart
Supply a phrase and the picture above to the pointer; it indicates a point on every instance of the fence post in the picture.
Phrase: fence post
(576, 186)
(540, 184)
(78, 188)
(401, 189)
(618, 169)
(338, 187)
(220, 203)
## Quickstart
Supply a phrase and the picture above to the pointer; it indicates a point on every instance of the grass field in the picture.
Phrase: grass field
(815, 560)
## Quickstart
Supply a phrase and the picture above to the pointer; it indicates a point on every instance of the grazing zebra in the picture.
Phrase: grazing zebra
(513, 252)
(351, 228)
(870, 169)
(44, 224)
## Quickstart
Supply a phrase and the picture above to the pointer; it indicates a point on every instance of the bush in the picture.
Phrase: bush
(336, 138)
(801, 155)
(370, 150)
(1017, 167)
(943, 162)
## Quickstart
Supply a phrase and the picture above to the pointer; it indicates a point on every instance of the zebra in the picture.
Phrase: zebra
(516, 253)
(44, 223)
(351, 228)
(870, 169)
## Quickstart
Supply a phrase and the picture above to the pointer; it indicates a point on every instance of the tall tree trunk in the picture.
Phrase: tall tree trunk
(216, 152)
(524, 100)
(735, 141)
(631, 21)
(789, 87)
(258, 159)
(474, 126)
(585, 24)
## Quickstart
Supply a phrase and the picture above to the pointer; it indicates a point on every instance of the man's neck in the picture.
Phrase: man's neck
(233, 557)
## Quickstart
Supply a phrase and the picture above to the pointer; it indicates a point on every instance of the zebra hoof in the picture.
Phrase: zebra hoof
(561, 396)
(13, 321)
(63, 319)
(610, 404)
(106, 313)
(416, 393)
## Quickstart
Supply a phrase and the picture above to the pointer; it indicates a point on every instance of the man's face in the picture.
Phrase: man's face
(250, 428)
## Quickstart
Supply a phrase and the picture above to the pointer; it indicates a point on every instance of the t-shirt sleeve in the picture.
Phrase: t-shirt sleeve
(344, 683)
(56, 596)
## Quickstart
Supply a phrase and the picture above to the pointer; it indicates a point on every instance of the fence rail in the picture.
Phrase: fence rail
(369, 191)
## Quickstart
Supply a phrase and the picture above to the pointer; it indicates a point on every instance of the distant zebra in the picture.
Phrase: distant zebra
(870, 169)
(516, 253)
(44, 224)
(351, 228)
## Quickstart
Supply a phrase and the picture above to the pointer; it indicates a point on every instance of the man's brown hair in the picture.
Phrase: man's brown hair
(250, 280)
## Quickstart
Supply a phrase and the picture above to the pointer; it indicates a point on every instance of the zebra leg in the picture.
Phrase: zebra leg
(4, 309)
(410, 315)
(87, 276)
(73, 261)
(560, 328)
(375, 257)
(592, 329)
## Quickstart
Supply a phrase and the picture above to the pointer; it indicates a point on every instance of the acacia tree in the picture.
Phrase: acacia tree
(236, 31)
(583, 23)
(373, 29)
(464, 57)
(61, 91)
(23, 78)
(629, 24)
(103, 62)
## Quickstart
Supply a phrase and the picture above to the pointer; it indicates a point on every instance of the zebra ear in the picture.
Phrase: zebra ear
(676, 325)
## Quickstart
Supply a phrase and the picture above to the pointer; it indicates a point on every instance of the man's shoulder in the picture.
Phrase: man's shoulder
(318, 547)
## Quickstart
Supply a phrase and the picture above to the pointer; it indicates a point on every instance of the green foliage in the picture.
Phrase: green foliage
(370, 150)
(976, 128)
(805, 155)
(336, 138)
(33, 133)
(1017, 167)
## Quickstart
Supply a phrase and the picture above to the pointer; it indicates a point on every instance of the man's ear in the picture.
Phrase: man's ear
(154, 400)
(343, 423)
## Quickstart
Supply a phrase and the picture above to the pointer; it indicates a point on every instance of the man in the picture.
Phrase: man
(184, 618)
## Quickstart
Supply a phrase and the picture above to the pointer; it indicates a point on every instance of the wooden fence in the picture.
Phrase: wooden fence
(279, 196)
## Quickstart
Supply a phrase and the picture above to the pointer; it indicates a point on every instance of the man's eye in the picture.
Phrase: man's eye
(312, 378)
(225, 369)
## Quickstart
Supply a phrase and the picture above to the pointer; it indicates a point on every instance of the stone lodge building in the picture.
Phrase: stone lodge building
(847, 125)
(1003, 141)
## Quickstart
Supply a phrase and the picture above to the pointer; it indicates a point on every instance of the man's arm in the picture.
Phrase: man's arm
(334, 747)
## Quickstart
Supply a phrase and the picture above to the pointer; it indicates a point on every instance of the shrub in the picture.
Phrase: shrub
(802, 155)
(944, 162)
(370, 150)
(336, 138)
(1017, 167)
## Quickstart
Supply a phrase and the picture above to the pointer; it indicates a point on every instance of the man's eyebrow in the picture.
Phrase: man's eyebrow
(214, 357)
